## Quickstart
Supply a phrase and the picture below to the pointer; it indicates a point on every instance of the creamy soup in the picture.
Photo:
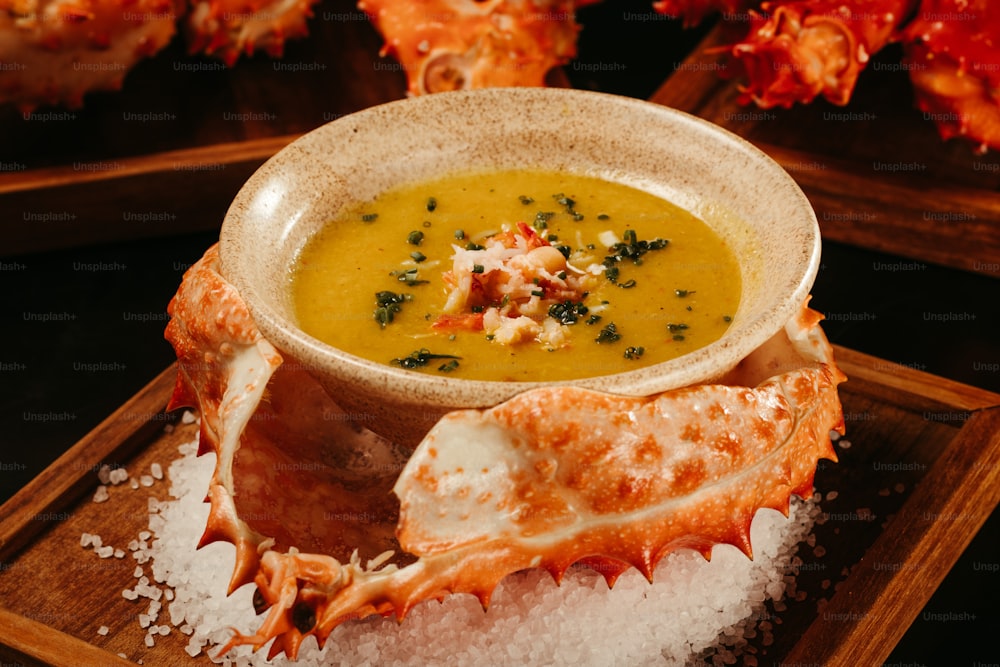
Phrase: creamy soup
(516, 276)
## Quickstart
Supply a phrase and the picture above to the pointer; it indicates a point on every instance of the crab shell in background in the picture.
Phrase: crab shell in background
(796, 51)
(461, 44)
(55, 51)
(613, 472)
(954, 65)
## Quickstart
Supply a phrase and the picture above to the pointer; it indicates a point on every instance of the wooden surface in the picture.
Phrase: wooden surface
(901, 508)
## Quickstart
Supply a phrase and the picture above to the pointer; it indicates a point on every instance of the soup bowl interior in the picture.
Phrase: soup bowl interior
(737, 190)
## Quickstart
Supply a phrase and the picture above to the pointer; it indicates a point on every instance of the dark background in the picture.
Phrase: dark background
(105, 304)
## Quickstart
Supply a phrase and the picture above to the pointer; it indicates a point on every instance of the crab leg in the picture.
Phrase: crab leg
(953, 57)
(798, 50)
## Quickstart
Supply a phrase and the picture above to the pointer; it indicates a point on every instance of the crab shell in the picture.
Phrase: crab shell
(552, 477)
(55, 51)
(796, 51)
(953, 57)
(228, 29)
(458, 44)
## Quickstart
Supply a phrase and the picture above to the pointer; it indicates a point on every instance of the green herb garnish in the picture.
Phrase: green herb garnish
(634, 352)
(415, 237)
(432, 204)
(683, 292)
(568, 312)
(408, 276)
(421, 358)
(369, 217)
(631, 248)
(609, 334)
(387, 305)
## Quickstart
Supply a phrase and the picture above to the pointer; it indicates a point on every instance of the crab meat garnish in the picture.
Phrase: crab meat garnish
(55, 51)
(552, 477)
(459, 44)
(955, 68)
(796, 51)
(506, 287)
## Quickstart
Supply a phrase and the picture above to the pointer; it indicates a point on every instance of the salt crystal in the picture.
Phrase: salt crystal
(101, 495)
(164, 630)
(117, 475)
(104, 473)
(149, 641)
(156, 470)
(119, 553)
(103, 630)
(188, 417)
(193, 647)
(133, 484)
(146, 480)
(143, 620)
(144, 535)
(129, 594)
(105, 552)
(85, 540)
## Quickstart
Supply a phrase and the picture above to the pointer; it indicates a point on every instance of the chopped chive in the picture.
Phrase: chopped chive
(683, 292)
(420, 358)
(634, 352)
(418, 256)
(609, 334)
(432, 204)
(459, 234)
(369, 217)
(478, 268)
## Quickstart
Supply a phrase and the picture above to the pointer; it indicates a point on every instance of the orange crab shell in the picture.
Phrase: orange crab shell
(557, 475)
(955, 68)
(228, 29)
(55, 51)
(457, 44)
(797, 51)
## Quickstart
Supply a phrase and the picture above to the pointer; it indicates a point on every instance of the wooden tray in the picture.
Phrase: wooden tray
(902, 515)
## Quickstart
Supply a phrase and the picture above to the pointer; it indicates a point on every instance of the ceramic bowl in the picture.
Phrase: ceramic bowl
(744, 195)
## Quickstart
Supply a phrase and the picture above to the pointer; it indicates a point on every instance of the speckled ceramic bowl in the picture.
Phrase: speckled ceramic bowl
(730, 184)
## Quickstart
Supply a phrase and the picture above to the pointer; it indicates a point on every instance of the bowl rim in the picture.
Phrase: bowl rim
(700, 365)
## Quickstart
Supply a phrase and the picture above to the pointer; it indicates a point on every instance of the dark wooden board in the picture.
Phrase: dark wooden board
(917, 441)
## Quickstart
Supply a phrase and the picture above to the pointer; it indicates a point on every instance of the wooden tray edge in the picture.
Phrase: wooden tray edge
(862, 627)
(65, 480)
(47, 646)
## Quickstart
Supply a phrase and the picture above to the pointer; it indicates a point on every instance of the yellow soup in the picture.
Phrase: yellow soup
(518, 276)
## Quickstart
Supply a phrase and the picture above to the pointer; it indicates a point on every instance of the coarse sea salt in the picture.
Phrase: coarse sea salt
(678, 618)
